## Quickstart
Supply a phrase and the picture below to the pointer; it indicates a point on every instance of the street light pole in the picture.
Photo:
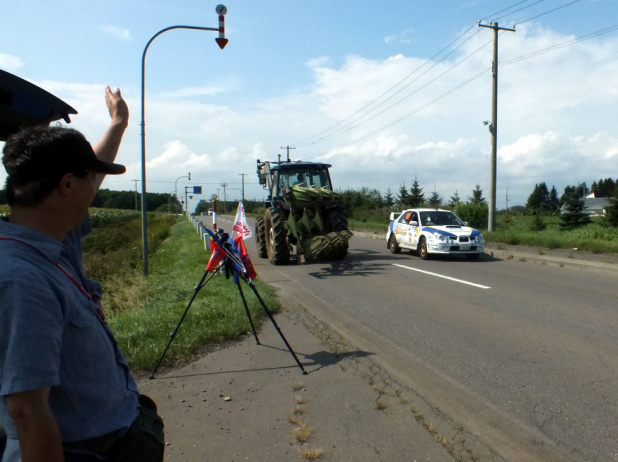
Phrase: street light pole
(221, 41)
(176, 183)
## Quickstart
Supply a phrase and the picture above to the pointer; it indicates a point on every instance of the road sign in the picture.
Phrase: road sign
(197, 190)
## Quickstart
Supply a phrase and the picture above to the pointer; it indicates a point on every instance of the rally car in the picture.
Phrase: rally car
(433, 232)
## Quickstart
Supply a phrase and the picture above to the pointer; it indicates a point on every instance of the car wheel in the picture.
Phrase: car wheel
(422, 249)
(392, 244)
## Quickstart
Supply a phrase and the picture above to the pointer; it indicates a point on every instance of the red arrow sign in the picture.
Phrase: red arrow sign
(221, 42)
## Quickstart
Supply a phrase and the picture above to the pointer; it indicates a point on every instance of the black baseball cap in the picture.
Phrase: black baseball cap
(50, 151)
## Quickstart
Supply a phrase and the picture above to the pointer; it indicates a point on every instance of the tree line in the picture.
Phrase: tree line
(366, 204)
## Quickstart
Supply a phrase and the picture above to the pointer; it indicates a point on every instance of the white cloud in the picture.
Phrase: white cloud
(10, 63)
(556, 122)
(118, 33)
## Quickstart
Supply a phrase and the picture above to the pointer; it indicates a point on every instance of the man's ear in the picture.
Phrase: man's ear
(66, 184)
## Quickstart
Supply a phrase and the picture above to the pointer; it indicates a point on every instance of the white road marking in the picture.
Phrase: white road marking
(461, 281)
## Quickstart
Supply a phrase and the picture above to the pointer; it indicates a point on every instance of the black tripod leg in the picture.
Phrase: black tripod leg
(197, 289)
(244, 302)
(270, 316)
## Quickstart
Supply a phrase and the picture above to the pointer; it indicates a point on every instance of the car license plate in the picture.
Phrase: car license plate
(464, 247)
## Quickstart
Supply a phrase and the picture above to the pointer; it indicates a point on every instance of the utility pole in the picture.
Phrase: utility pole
(224, 185)
(493, 127)
(243, 186)
(288, 150)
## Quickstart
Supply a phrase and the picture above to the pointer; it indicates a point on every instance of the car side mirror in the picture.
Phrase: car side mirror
(414, 223)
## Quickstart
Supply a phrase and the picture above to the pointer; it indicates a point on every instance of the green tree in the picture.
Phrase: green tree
(389, 200)
(435, 201)
(573, 192)
(403, 197)
(416, 198)
(477, 195)
(454, 201)
(554, 201)
(612, 210)
(574, 215)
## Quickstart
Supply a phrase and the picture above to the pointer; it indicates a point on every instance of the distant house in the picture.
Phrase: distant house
(593, 206)
(596, 206)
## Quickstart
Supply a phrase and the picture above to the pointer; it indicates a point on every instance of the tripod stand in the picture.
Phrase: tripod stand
(231, 265)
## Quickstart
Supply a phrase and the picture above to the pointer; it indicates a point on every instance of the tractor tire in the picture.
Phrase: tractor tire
(422, 249)
(260, 237)
(337, 219)
(392, 244)
(277, 247)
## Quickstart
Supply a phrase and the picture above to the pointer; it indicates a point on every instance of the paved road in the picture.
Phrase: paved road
(522, 356)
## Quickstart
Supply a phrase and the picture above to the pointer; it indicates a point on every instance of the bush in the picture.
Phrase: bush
(475, 214)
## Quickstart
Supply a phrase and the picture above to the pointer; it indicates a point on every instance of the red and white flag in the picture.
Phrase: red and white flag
(217, 254)
(240, 223)
(244, 256)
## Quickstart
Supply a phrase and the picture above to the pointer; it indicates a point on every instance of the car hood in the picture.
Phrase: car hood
(452, 230)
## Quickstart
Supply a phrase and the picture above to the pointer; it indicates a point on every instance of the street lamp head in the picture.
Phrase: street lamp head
(189, 176)
(221, 10)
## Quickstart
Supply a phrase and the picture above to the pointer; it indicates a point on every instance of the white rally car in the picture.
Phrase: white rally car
(433, 231)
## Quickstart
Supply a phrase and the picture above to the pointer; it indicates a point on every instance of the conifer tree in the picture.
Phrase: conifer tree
(417, 198)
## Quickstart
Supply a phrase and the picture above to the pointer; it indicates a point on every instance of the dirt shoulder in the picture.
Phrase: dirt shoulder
(252, 402)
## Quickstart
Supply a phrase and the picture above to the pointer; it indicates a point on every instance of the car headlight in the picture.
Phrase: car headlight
(439, 237)
(480, 239)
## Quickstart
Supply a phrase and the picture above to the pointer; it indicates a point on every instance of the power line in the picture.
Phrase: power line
(306, 141)
(347, 129)
(598, 33)
(547, 12)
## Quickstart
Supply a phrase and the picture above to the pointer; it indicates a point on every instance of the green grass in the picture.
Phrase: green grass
(597, 237)
(146, 311)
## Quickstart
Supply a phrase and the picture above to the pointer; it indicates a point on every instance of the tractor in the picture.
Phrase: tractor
(304, 218)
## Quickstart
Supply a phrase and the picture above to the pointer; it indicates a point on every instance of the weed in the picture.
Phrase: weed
(297, 386)
(303, 432)
(313, 453)
(379, 405)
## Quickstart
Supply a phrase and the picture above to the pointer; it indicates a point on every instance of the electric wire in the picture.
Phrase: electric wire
(547, 12)
(304, 142)
(351, 124)
(408, 96)
(360, 113)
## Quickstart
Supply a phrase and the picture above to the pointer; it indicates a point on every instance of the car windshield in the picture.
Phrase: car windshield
(440, 218)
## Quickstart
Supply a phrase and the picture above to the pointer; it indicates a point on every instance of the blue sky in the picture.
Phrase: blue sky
(386, 93)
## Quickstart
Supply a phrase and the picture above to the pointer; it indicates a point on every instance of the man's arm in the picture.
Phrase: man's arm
(39, 437)
(107, 147)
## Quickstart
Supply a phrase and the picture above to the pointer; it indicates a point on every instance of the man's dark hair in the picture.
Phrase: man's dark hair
(30, 159)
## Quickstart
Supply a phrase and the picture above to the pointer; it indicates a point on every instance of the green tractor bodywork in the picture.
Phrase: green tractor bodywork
(304, 219)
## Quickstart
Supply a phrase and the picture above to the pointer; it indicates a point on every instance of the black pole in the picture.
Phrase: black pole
(244, 302)
(270, 316)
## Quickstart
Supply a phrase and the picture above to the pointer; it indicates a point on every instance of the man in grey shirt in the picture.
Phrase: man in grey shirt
(66, 393)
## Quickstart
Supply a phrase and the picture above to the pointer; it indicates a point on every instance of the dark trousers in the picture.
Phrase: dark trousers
(144, 441)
